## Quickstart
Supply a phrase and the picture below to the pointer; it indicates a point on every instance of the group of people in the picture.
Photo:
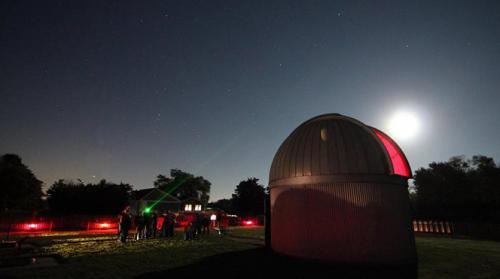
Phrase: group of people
(147, 225)
(198, 225)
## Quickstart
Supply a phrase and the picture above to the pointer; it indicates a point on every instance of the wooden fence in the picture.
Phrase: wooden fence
(430, 226)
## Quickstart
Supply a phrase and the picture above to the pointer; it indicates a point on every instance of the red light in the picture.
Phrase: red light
(104, 225)
(399, 164)
(31, 226)
(248, 222)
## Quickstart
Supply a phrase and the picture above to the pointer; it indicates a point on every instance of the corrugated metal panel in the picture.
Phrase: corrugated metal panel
(358, 222)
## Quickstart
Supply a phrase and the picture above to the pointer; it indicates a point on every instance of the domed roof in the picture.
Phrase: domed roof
(334, 144)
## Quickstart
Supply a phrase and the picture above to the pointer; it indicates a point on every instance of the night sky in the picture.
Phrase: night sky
(125, 90)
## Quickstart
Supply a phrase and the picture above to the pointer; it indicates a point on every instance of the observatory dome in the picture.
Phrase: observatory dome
(334, 144)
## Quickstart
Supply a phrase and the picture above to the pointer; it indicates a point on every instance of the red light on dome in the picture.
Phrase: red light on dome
(398, 160)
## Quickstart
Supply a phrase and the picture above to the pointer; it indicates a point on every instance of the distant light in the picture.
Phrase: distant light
(32, 226)
(403, 126)
(248, 222)
(213, 217)
(104, 225)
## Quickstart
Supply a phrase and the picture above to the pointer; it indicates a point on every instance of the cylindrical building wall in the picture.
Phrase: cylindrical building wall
(344, 221)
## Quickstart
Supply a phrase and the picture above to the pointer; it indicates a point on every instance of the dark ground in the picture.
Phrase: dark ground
(259, 263)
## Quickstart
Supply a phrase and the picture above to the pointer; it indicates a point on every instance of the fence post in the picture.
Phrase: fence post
(448, 230)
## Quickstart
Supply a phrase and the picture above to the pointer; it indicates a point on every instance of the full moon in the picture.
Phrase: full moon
(403, 126)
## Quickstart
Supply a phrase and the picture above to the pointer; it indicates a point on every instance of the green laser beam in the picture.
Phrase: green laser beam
(174, 187)
(214, 155)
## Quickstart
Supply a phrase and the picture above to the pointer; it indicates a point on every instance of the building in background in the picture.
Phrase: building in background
(145, 198)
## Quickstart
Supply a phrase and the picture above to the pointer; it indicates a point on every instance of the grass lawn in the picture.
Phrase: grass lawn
(100, 256)
(247, 232)
(443, 257)
(440, 257)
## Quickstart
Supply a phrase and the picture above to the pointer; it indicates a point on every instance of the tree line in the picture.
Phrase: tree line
(459, 189)
(21, 190)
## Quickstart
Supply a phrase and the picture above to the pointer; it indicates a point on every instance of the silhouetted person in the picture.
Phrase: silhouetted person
(163, 228)
(147, 222)
(170, 226)
(167, 227)
(205, 223)
(189, 231)
(197, 223)
(223, 223)
(152, 225)
(220, 223)
(125, 223)
(139, 227)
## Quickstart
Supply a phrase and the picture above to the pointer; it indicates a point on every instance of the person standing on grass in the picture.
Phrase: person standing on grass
(139, 226)
(153, 221)
(171, 225)
(167, 228)
(125, 223)
(223, 224)
(146, 219)
(205, 222)
(163, 229)
(220, 223)
(197, 222)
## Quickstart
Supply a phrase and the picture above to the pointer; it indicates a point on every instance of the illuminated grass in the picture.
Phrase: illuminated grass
(104, 257)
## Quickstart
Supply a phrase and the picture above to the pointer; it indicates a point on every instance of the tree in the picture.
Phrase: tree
(70, 197)
(19, 187)
(184, 185)
(223, 204)
(484, 174)
(459, 189)
(248, 198)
